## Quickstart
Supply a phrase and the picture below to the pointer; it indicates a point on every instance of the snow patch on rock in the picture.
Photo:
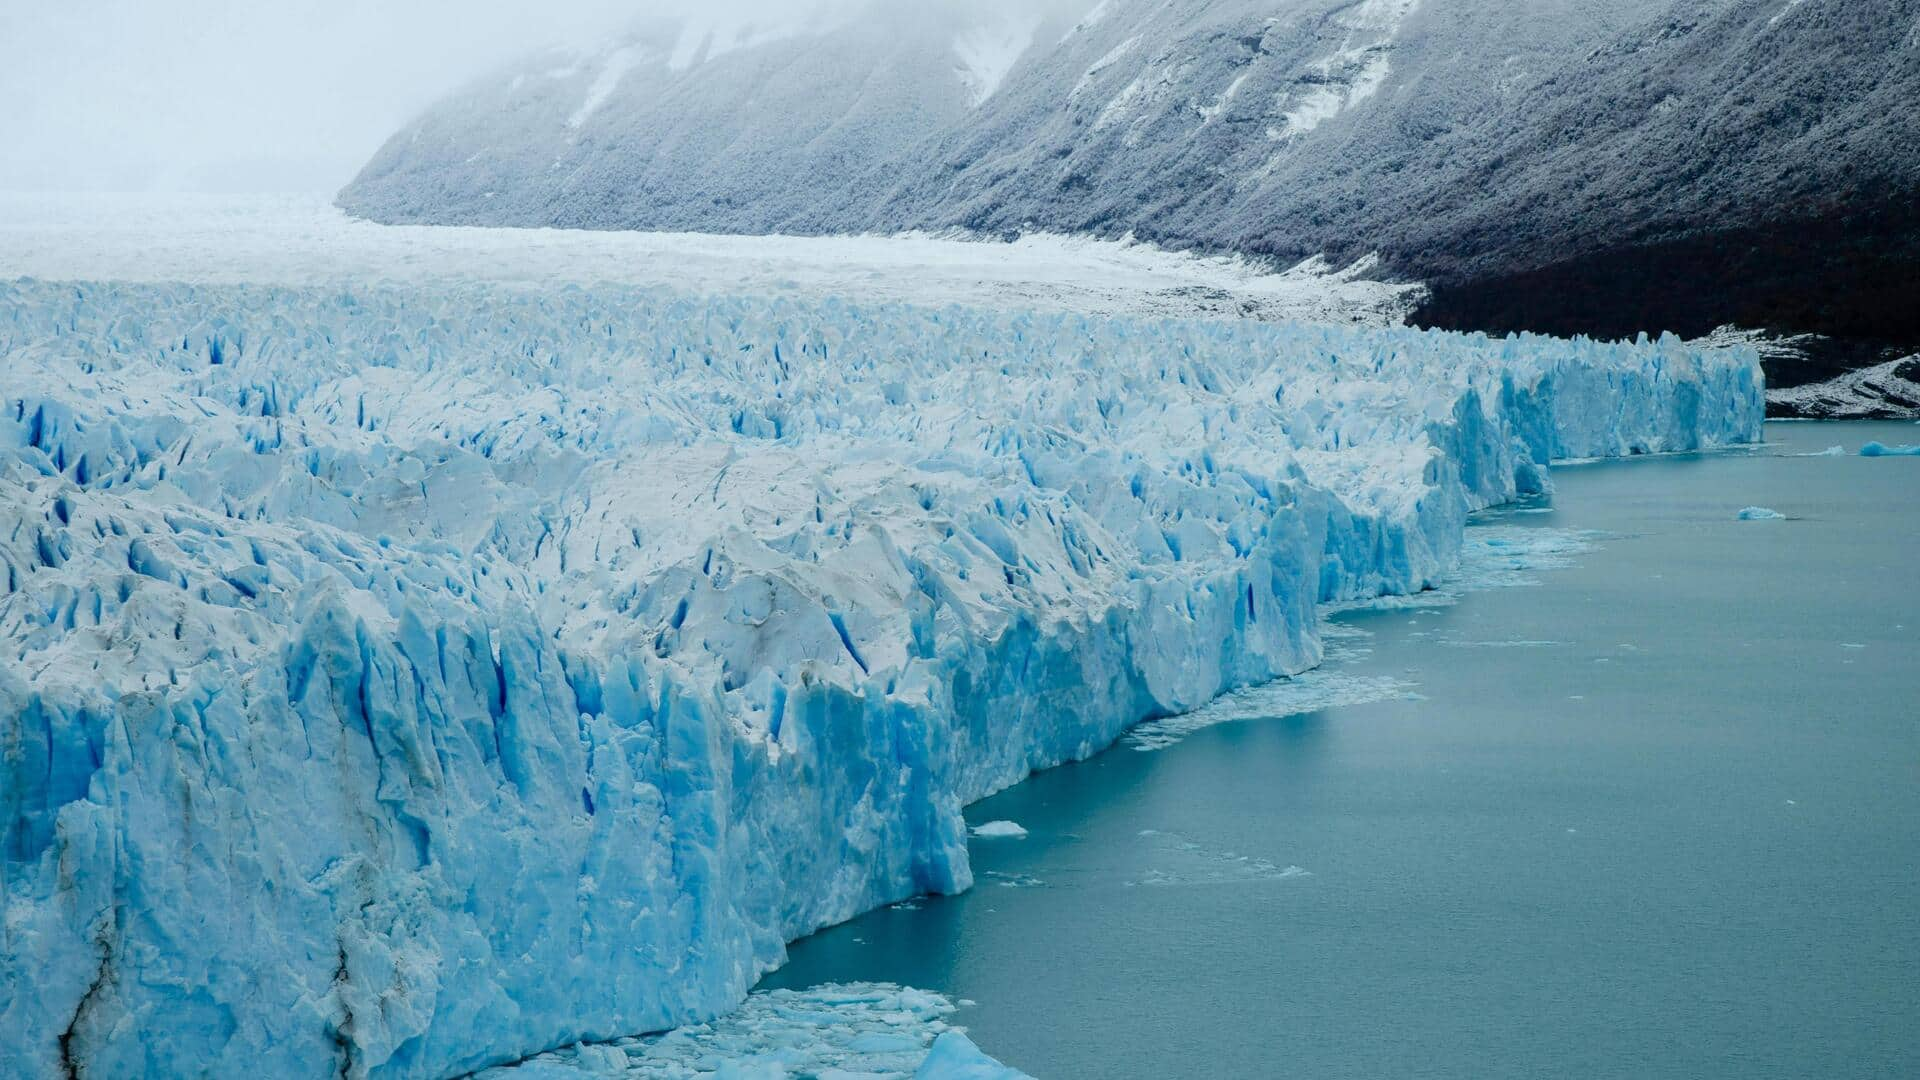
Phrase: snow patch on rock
(1352, 73)
(1883, 391)
(612, 70)
(988, 50)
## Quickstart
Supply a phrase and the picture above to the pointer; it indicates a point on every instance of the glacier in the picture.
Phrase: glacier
(302, 240)
(403, 679)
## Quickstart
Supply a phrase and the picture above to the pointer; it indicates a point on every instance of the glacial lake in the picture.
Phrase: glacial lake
(1657, 815)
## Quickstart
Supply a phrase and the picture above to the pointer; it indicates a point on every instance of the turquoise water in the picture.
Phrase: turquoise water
(1658, 815)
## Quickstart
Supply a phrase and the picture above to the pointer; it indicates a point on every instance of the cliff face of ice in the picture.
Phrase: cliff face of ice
(400, 680)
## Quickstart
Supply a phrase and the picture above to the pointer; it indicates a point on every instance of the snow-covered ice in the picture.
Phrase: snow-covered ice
(403, 677)
(1760, 513)
(992, 830)
(304, 240)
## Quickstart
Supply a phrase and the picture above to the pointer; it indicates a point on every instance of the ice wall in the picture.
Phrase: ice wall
(400, 680)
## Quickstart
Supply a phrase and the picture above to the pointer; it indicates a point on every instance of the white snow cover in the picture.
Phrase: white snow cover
(1352, 74)
(304, 240)
(399, 679)
(1888, 390)
(1891, 390)
(612, 70)
(989, 49)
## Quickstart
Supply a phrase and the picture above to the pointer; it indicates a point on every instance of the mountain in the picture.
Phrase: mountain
(701, 124)
(1590, 166)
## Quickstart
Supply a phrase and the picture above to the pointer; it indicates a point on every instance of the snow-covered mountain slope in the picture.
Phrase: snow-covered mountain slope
(398, 679)
(1732, 161)
(1810, 377)
(685, 125)
(1559, 165)
(1882, 392)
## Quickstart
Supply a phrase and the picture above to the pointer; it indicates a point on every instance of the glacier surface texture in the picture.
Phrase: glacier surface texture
(401, 680)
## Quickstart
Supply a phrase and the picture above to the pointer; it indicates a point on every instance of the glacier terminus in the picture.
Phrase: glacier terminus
(404, 677)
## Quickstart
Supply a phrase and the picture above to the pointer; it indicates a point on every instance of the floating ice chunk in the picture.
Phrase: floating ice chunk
(1876, 449)
(1015, 881)
(1760, 513)
(1181, 860)
(954, 1057)
(875, 1031)
(994, 830)
(1309, 691)
(1836, 450)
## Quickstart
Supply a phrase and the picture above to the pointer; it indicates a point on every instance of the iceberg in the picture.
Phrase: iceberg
(402, 680)
(1876, 449)
(1760, 513)
(954, 1057)
(1000, 830)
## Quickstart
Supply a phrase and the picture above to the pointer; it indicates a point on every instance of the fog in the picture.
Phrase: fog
(250, 95)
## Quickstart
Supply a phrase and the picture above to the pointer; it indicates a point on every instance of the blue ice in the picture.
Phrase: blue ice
(403, 680)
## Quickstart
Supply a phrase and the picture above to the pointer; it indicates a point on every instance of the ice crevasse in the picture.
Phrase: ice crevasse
(398, 680)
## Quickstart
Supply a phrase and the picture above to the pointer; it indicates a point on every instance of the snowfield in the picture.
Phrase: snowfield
(302, 240)
(408, 675)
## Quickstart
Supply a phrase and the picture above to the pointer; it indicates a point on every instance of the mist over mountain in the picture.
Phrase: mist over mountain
(1562, 165)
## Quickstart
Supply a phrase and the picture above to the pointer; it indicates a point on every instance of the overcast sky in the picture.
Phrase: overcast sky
(247, 95)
